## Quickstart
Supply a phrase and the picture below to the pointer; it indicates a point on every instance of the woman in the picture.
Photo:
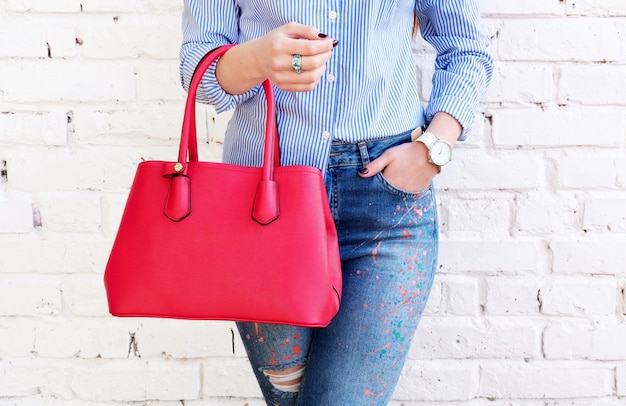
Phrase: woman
(347, 102)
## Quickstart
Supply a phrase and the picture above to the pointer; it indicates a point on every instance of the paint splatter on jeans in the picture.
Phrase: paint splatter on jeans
(388, 241)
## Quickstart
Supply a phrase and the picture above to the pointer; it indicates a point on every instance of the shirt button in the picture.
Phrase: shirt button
(330, 78)
(325, 135)
(332, 15)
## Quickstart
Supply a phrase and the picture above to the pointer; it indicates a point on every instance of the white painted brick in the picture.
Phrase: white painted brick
(27, 295)
(84, 294)
(71, 254)
(160, 82)
(512, 296)
(597, 7)
(474, 170)
(462, 338)
(558, 127)
(579, 296)
(564, 39)
(85, 338)
(490, 256)
(33, 128)
(61, 40)
(126, 36)
(454, 294)
(71, 212)
(527, 8)
(593, 85)
(541, 214)
(437, 381)
(551, 380)
(42, 6)
(136, 380)
(17, 337)
(15, 44)
(67, 81)
(24, 377)
(188, 339)
(111, 6)
(229, 377)
(592, 169)
(538, 82)
(16, 217)
(162, 6)
(598, 343)
(490, 215)
(596, 256)
(621, 380)
(605, 215)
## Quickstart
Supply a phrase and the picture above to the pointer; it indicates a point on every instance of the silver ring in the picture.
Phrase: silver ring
(296, 63)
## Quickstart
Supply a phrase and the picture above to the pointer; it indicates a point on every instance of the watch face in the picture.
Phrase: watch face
(440, 153)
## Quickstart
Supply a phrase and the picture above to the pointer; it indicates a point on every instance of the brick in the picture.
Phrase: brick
(474, 170)
(162, 6)
(461, 215)
(558, 127)
(33, 128)
(84, 338)
(563, 39)
(17, 337)
(512, 296)
(454, 295)
(188, 339)
(596, 343)
(541, 214)
(593, 85)
(548, 380)
(605, 215)
(589, 256)
(84, 294)
(590, 170)
(71, 212)
(456, 338)
(431, 381)
(579, 296)
(25, 377)
(61, 41)
(28, 295)
(160, 82)
(621, 380)
(526, 9)
(538, 79)
(71, 254)
(597, 8)
(16, 217)
(136, 380)
(111, 6)
(229, 377)
(490, 256)
(15, 44)
(42, 6)
(66, 81)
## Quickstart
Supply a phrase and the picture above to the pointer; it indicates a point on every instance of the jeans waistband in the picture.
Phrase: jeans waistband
(360, 153)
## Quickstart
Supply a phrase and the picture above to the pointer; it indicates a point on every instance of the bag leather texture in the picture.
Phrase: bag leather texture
(214, 241)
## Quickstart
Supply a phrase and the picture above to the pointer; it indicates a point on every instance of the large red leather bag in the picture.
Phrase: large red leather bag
(214, 241)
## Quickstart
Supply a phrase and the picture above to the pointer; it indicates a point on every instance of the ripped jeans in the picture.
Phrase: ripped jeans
(388, 242)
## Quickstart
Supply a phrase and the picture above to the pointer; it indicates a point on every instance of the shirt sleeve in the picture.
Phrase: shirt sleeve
(207, 25)
(463, 66)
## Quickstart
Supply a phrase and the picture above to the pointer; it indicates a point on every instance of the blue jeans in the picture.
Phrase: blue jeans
(388, 242)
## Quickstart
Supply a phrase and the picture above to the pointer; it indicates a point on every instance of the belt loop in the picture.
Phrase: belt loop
(365, 157)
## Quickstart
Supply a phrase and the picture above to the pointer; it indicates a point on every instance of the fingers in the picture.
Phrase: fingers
(375, 166)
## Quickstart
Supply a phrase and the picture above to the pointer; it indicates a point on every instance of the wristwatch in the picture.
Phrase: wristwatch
(439, 151)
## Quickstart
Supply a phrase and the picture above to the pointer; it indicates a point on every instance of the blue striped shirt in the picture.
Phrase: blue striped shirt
(369, 89)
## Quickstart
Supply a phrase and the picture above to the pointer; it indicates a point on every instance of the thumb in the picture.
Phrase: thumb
(374, 167)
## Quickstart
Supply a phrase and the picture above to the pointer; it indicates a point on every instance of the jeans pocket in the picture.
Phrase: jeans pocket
(389, 187)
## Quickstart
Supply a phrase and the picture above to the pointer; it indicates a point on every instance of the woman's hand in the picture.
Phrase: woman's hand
(270, 57)
(405, 166)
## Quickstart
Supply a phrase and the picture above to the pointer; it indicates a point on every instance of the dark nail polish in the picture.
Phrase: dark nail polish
(322, 35)
(335, 42)
(363, 171)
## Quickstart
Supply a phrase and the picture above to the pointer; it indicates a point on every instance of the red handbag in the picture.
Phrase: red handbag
(214, 241)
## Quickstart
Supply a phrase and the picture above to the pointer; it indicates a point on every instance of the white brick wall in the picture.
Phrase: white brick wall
(529, 304)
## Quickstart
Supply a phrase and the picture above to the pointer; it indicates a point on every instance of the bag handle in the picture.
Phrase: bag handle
(265, 207)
